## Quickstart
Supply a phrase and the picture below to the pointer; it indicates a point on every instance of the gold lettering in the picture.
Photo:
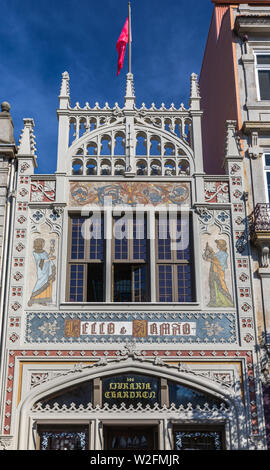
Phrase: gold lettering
(113, 386)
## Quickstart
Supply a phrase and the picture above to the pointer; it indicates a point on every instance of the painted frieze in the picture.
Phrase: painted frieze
(142, 193)
(141, 327)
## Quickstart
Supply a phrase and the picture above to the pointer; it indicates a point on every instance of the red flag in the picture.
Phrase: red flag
(121, 46)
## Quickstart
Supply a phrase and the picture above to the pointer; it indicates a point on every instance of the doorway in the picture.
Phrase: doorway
(130, 437)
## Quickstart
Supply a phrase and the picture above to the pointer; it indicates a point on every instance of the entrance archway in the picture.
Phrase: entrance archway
(52, 404)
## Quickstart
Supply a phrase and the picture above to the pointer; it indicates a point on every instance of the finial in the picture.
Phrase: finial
(194, 92)
(64, 96)
(130, 92)
(27, 141)
(5, 107)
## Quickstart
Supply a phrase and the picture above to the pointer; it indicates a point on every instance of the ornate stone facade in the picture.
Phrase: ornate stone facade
(193, 348)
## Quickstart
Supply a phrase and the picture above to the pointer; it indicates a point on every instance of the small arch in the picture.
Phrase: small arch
(91, 167)
(106, 145)
(82, 126)
(183, 167)
(105, 167)
(93, 124)
(168, 125)
(119, 167)
(155, 167)
(141, 167)
(91, 148)
(178, 128)
(181, 152)
(169, 149)
(79, 152)
(119, 144)
(169, 168)
(155, 146)
(141, 143)
(77, 166)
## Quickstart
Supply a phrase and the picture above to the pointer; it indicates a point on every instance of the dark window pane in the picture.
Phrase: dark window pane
(263, 59)
(264, 82)
(79, 395)
(141, 292)
(267, 159)
(182, 395)
(95, 282)
(122, 283)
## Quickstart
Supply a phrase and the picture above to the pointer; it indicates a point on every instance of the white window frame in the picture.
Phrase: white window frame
(260, 67)
(266, 169)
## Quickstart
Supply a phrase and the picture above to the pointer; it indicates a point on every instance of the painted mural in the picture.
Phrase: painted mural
(217, 270)
(129, 193)
(43, 269)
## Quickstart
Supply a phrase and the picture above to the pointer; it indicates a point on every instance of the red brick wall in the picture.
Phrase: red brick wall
(218, 92)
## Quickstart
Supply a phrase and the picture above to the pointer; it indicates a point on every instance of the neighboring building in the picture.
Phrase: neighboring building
(112, 336)
(235, 84)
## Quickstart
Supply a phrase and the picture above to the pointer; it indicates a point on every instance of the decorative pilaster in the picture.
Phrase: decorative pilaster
(196, 138)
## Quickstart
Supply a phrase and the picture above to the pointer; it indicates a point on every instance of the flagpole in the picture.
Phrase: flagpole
(129, 37)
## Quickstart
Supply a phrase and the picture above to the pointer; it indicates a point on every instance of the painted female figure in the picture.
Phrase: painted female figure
(45, 269)
(219, 293)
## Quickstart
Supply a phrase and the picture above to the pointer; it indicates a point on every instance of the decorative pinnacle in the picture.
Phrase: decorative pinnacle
(232, 144)
(64, 97)
(194, 92)
(27, 141)
(64, 92)
(130, 92)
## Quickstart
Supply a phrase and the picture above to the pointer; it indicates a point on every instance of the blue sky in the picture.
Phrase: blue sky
(41, 39)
